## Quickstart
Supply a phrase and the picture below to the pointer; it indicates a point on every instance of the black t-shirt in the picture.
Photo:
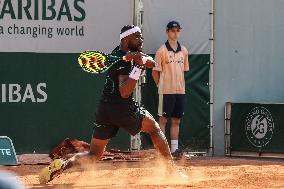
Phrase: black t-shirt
(111, 92)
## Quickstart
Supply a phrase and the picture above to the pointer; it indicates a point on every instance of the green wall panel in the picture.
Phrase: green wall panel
(72, 97)
(68, 111)
(194, 131)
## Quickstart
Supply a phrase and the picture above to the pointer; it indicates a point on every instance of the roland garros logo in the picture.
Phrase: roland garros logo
(259, 127)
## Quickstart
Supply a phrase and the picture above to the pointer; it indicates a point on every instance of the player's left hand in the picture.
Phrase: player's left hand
(137, 58)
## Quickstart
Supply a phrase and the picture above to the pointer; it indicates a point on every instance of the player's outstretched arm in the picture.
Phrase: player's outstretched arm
(127, 83)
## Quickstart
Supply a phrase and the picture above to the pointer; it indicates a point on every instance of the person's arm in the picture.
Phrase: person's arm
(156, 76)
(186, 61)
(150, 63)
(127, 83)
(157, 70)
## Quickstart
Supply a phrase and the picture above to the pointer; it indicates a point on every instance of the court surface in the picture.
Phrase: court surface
(203, 172)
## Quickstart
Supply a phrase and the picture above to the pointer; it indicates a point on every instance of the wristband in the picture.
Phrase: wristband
(135, 73)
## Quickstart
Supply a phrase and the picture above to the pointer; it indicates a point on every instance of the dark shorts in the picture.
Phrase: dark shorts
(111, 117)
(171, 105)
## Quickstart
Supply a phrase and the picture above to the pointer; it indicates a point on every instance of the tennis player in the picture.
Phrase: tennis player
(117, 108)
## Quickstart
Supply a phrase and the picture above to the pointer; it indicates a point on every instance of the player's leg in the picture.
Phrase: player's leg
(99, 141)
(97, 148)
(150, 126)
(103, 130)
(138, 119)
(57, 166)
(101, 135)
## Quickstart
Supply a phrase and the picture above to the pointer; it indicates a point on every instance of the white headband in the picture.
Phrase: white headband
(129, 32)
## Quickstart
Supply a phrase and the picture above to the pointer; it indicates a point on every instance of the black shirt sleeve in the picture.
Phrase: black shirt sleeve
(123, 68)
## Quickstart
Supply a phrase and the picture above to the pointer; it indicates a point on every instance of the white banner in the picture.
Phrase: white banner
(62, 26)
(193, 16)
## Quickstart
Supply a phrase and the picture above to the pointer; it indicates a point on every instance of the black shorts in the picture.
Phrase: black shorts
(111, 117)
(171, 105)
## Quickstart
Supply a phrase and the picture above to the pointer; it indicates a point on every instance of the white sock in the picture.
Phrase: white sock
(174, 145)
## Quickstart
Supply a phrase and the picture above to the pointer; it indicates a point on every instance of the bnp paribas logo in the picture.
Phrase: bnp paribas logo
(72, 10)
(259, 127)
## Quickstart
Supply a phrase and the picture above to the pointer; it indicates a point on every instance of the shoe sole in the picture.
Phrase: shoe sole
(45, 173)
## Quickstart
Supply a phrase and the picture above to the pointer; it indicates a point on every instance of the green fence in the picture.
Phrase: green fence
(257, 127)
(46, 97)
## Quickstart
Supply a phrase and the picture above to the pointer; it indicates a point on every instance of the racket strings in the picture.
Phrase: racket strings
(93, 62)
(99, 61)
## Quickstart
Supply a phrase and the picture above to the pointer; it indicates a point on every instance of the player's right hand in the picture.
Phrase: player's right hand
(135, 56)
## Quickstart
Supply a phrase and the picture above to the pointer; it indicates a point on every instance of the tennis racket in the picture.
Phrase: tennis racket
(97, 62)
